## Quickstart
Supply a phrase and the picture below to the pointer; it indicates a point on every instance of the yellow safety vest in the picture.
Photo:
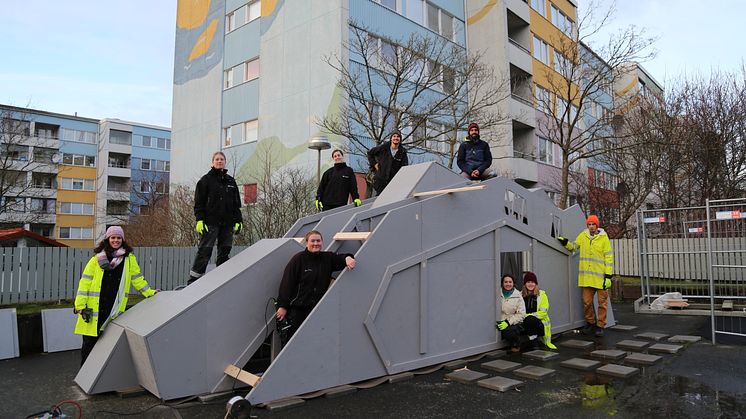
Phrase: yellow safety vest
(596, 258)
(542, 313)
(89, 291)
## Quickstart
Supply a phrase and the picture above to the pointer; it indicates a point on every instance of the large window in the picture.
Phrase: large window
(561, 64)
(76, 184)
(76, 233)
(76, 208)
(546, 151)
(241, 73)
(13, 204)
(120, 137)
(245, 132)
(562, 22)
(541, 50)
(441, 22)
(157, 165)
(242, 16)
(42, 205)
(543, 99)
(156, 142)
(79, 160)
(79, 136)
(540, 6)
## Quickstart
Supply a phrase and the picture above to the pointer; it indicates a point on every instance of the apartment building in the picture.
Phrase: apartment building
(72, 175)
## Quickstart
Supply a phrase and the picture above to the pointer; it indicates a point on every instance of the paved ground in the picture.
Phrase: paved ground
(702, 381)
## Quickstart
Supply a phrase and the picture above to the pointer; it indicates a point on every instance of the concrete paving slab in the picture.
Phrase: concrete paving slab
(612, 354)
(581, 364)
(501, 384)
(465, 376)
(652, 336)
(500, 365)
(619, 371)
(339, 391)
(284, 404)
(577, 344)
(454, 365)
(540, 355)
(533, 372)
(633, 345)
(642, 359)
(665, 348)
(402, 376)
(684, 339)
(496, 354)
(623, 327)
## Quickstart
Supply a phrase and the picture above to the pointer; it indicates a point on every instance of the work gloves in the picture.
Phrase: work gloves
(562, 240)
(237, 228)
(201, 227)
(319, 205)
(502, 325)
(357, 202)
(607, 281)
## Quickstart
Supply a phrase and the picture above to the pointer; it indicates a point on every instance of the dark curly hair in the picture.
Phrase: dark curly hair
(104, 245)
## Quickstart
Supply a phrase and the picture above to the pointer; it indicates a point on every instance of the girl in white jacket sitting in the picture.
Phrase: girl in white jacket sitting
(513, 311)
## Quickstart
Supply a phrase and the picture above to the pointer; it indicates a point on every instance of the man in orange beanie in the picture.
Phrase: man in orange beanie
(594, 273)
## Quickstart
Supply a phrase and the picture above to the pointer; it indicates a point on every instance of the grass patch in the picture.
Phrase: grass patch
(37, 307)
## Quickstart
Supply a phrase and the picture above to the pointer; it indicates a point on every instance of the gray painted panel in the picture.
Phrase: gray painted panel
(58, 327)
(241, 103)
(241, 44)
(109, 366)
(9, 333)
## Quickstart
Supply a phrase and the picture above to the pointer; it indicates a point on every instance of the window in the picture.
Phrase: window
(145, 187)
(42, 206)
(15, 152)
(441, 22)
(391, 4)
(416, 11)
(241, 73)
(252, 69)
(79, 160)
(76, 233)
(162, 143)
(562, 22)
(228, 79)
(234, 134)
(540, 6)
(432, 18)
(242, 16)
(541, 50)
(543, 100)
(120, 137)
(546, 151)
(13, 204)
(76, 184)
(76, 208)
(79, 136)
(561, 64)
(255, 10)
(145, 164)
(145, 141)
(252, 131)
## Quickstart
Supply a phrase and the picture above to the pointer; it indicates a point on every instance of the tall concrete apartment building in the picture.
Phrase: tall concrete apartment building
(252, 73)
(75, 176)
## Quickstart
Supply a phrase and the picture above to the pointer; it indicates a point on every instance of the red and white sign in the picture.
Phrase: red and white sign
(649, 220)
(696, 229)
(728, 215)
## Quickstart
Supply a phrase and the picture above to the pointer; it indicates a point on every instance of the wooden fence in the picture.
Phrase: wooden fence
(38, 274)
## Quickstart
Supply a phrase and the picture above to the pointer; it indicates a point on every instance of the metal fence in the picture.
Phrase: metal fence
(699, 252)
(41, 274)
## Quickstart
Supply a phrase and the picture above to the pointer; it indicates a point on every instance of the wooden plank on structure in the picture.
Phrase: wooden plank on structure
(242, 376)
(451, 190)
(676, 303)
(352, 235)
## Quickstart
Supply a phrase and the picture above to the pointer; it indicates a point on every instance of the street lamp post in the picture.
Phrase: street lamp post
(318, 143)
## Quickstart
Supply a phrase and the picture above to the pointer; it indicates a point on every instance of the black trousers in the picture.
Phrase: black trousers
(379, 185)
(295, 317)
(88, 343)
(533, 326)
(223, 234)
(512, 334)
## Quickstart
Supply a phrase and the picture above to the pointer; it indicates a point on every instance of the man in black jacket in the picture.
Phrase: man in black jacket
(474, 156)
(307, 276)
(385, 161)
(337, 185)
(217, 208)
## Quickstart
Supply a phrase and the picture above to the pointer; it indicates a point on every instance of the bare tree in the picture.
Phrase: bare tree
(584, 71)
(167, 221)
(426, 86)
(23, 160)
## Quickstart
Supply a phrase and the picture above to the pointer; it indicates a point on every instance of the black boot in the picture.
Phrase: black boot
(588, 329)
(599, 332)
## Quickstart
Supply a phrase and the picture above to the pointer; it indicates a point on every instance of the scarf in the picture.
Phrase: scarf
(116, 258)
(507, 294)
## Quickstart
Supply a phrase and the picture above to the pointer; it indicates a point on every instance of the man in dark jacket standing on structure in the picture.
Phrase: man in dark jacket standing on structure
(217, 208)
(337, 185)
(474, 156)
(385, 161)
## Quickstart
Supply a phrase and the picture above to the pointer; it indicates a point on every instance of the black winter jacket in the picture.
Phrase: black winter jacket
(307, 277)
(388, 165)
(216, 199)
(336, 185)
(474, 154)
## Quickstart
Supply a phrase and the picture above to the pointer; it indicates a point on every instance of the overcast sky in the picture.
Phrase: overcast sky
(114, 59)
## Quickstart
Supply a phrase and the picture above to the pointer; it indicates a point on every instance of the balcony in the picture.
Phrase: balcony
(520, 8)
(519, 56)
(523, 168)
(522, 110)
(117, 194)
(119, 165)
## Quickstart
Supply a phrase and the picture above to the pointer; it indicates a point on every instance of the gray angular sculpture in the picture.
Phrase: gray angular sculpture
(424, 292)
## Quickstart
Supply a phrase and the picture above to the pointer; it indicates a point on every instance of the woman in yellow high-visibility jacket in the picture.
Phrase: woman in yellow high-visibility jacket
(536, 325)
(104, 286)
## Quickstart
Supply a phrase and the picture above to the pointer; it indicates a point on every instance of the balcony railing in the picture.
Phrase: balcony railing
(514, 42)
(522, 155)
(522, 99)
(121, 165)
(118, 188)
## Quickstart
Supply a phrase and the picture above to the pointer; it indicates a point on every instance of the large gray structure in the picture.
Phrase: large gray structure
(424, 292)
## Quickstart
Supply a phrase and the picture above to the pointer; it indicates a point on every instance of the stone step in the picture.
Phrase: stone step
(665, 348)
(465, 376)
(623, 327)
(581, 364)
(454, 365)
(495, 354)
(283, 404)
(500, 365)
(612, 354)
(533, 372)
(500, 384)
(619, 371)
(684, 339)
(642, 359)
(652, 336)
(633, 345)
(577, 344)
(540, 355)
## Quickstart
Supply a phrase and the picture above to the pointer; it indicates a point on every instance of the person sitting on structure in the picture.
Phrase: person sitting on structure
(512, 313)
(594, 272)
(474, 156)
(306, 278)
(536, 324)
(337, 185)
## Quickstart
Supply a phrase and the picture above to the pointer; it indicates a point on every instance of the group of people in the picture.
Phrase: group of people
(104, 286)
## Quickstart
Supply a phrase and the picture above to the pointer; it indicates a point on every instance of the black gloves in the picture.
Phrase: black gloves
(562, 240)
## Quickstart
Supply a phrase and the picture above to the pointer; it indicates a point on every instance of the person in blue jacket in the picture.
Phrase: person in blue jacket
(474, 156)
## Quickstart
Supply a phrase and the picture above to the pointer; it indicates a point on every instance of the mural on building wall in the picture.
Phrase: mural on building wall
(199, 40)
